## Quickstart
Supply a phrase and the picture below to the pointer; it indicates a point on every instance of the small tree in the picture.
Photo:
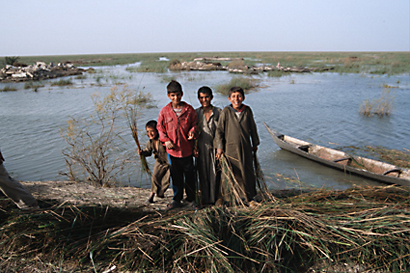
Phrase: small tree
(11, 60)
(94, 152)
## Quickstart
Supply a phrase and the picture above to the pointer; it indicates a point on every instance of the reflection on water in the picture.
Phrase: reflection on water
(319, 108)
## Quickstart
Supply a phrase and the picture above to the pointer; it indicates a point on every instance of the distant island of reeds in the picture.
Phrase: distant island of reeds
(390, 63)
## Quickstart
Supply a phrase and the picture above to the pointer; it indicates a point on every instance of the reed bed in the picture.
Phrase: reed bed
(367, 227)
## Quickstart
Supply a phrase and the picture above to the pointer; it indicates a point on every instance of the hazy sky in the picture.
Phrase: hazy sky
(52, 27)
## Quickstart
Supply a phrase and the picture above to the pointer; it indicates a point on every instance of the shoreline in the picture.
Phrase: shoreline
(81, 193)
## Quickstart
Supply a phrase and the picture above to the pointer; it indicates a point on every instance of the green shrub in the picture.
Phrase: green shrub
(11, 60)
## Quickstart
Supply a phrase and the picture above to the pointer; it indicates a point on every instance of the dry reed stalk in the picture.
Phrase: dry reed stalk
(230, 189)
(260, 180)
(369, 226)
(134, 131)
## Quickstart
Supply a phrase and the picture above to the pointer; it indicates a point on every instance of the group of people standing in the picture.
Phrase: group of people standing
(183, 135)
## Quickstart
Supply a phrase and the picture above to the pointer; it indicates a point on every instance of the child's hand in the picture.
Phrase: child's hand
(169, 145)
(255, 149)
(219, 152)
(191, 135)
(139, 151)
(196, 153)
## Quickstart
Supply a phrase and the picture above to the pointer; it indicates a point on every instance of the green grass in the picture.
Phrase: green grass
(278, 73)
(81, 77)
(62, 83)
(247, 84)
(33, 85)
(344, 62)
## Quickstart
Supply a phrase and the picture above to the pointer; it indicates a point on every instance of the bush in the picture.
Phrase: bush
(11, 60)
(93, 154)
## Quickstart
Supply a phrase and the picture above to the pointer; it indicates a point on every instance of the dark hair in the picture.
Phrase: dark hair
(174, 87)
(236, 89)
(151, 124)
(205, 90)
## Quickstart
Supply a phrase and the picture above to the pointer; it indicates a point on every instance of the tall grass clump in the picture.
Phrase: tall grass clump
(33, 85)
(237, 64)
(380, 107)
(8, 88)
(277, 73)
(152, 66)
(62, 82)
(167, 78)
(246, 84)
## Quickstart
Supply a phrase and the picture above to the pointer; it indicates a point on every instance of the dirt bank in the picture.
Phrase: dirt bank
(78, 193)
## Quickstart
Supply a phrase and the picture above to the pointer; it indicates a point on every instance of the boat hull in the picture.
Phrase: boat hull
(365, 167)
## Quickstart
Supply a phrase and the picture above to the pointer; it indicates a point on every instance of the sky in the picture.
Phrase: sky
(50, 27)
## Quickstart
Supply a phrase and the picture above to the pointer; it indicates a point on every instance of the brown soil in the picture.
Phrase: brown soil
(78, 193)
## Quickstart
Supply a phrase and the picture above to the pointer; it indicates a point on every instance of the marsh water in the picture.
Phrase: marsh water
(322, 108)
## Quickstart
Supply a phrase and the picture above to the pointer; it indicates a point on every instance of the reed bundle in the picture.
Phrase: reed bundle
(365, 227)
(233, 193)
(133, 105)
(134, 131)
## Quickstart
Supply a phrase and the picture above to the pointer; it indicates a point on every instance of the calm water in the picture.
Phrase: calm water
(320, 108)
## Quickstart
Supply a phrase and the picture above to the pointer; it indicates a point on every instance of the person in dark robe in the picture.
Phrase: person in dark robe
(208, 116)
(237, 137)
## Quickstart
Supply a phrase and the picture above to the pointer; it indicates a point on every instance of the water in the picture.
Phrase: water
(319, 108)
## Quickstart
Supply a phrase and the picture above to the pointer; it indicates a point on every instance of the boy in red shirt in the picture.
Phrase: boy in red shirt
(176, 127)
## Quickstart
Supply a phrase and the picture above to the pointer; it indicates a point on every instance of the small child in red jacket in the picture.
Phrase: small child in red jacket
(176, 126)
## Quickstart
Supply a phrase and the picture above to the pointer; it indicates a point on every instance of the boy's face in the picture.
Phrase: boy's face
(205, 99)
(151, 133)
(175, 97)
(236, 99)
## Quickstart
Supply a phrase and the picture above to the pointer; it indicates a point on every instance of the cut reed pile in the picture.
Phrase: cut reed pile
(361, 226)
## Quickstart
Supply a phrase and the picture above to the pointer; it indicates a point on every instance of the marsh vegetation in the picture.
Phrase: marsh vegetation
(361, 229)
(382, 106)
(246, 83)
(376, 63)
(8, 88)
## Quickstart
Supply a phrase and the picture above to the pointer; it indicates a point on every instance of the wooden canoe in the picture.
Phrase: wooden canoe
(362, 166)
